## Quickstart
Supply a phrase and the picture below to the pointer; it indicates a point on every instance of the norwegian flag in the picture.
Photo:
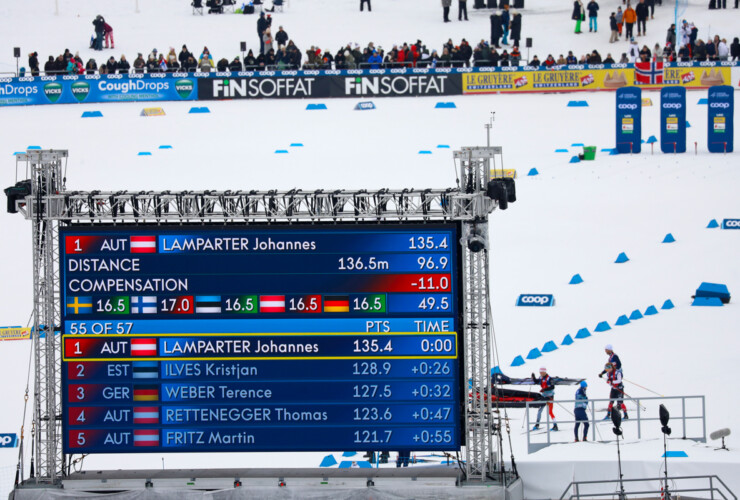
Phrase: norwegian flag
(649, 73)
(146, 437)
(143, 244)
(143, 347)
(146, 415)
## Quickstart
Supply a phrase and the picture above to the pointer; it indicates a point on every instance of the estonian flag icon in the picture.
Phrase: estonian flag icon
(146, 369)
(205, 304)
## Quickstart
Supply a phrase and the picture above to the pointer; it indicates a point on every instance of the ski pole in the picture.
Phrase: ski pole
(642, 387)
(637, 402)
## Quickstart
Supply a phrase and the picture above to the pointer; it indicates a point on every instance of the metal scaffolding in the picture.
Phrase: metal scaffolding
(50, 205)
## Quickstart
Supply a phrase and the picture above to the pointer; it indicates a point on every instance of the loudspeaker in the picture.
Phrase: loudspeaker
(518, 4)
(16, 51)
(492, 4)
(243, 46)
(528, 43)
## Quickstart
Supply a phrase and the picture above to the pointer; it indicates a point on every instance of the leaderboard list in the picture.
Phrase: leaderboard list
(279, 338)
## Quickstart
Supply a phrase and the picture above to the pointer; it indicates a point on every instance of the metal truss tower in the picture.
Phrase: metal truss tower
(49, 204)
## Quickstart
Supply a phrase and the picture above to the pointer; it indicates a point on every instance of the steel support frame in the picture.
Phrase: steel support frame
(50, 205)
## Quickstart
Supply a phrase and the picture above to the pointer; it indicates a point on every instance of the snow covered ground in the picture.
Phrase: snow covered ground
(572, 218)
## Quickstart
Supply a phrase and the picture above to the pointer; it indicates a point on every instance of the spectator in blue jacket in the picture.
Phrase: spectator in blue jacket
(375, 60)
(593, 9)
(505, 24)
(580, 410)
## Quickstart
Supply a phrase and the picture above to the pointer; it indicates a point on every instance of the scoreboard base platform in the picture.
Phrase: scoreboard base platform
(421, 482)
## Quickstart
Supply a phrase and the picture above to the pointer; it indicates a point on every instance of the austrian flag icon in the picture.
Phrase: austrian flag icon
(143, 347)
(146, 437)
(143, 244)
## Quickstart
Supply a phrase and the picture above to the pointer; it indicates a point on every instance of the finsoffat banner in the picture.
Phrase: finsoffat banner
(547, 81)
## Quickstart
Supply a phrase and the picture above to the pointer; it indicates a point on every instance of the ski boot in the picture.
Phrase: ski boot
(608, 415)
(576, 440)
(536, 427)
(625, 416)
(554, 427)
(584, 439)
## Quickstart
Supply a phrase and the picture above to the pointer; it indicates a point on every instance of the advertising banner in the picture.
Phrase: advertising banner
(397, 85)
(629, 120)
(547, 81)
(696, 76)
(673, 120)
(70, 89)
(263, 87)
(15, 333)
(721, 109)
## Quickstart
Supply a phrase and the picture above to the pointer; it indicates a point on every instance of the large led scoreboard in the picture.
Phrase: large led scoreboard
(263, 338)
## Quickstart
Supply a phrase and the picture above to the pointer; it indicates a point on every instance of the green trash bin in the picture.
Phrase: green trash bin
(589, 152)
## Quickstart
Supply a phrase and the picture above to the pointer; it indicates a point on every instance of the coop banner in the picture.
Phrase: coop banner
(70, 89)
(721, 112)
(559, 80)
(673, 120)
(629, 120)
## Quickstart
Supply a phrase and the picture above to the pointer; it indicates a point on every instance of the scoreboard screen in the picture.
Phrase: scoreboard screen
(260, 338)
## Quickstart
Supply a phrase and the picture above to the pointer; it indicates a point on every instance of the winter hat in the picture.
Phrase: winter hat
(608, 347)
(543, 369)
(583, 384)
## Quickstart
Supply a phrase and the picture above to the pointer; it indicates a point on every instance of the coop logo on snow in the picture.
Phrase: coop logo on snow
(53, 91)
(8, 440)
(184, 88)
(80, 90)
(535, 300)
(731, 224)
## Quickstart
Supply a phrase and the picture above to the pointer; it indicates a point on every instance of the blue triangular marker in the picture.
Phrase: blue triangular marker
(583, 333)
(636, 314)
(443, 146)
(496, 370)
(349, 453)
(364, 464)
(549, 346)
(669, 238)
(642, 141)
(345, 464)
(165, 146)
(650, 311)
(518, 361)
(688, 125)
(91, 114)
(445, 105)
(33, 147)
(567, 340)
(607, 150)
(144, 153)
(613, 152)
(622, 320)
(602, 327)
(577, 145)
(19, 153)
(328, 461)
(561, 150)
(668, 304)
(296, 144)
(533, 171)
(574, 159)
(316, 106)
(576, 279)
(535, 353)
(621, 258)
(707, 301)
(712, 224)
(675, 454)
(281, 151)
(425, 152)
(652, 139)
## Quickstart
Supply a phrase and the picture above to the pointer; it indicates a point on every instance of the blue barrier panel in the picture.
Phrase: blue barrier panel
(533, 171)
(445, 105)
(636, 314)
(651, 311)
(602, 327)
(518, 361)
(362, 106)
(718, 290)
(622, 258)
(668, 304)
(576, 279)
(673, 122)
(629, 120)
(712, 224)
(316, 106)
(622, 320)
(574, 159)
(534, 354)
(549, 346)
(583, 333)
(567, 340)
(425, 152)
(721, 113)
(91, 114)
(707, 302)
(669, 238)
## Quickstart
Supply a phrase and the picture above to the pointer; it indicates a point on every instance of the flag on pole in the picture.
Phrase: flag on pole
(649, 73)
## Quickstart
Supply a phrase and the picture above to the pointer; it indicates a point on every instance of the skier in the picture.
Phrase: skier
(580, 410)
(613, 358)
(616, 393)
(547, 389)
